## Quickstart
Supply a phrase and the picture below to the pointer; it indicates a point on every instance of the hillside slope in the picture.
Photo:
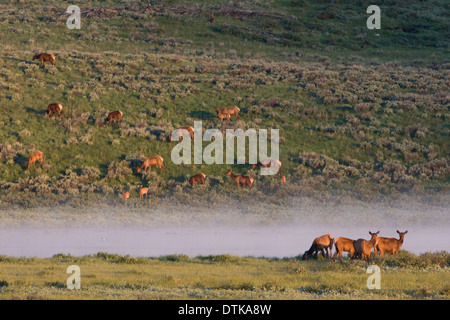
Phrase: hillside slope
(360, 112)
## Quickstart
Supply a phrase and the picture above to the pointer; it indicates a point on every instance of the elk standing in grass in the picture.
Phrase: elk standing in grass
(390, 245)
(226, 112)
(323, 244)
(149, 162)
(125, 195)
(241, 181)
(179, 132)
(267, 163)
(45, 57)
(36, 156)
(143, 192)
(364, 247)
(343, 245)
(54, 108)
(114, 117)
(198, 178)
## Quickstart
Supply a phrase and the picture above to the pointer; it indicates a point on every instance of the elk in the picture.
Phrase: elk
(125, 195)
(36, 156)
(211, 18)
(197, 179)
(149, 162)
(390, 245)
(45, 57)
(143, 192)
(223, 116)
(364, 247)
(241, 181)
(323, 244)
(226, 112)
(343, 245)
(267, 163)
(179, 132)
(54, 108)
(114, 117)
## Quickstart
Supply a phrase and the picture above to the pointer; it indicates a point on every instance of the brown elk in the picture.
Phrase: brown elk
(45, 57)
(364, 247)
(36, 156)
(222, 116)
(226, 112)
(179, 132)
(390, 245)
(323, 244)
(114, 117)
(241, 181)
(198, 178)
(149, 162)
(343, 245)
(54, 108)
(267, 163)
(125, 195)
(143, 192)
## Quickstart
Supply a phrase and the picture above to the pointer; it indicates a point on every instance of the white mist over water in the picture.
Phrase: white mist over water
(268, 241)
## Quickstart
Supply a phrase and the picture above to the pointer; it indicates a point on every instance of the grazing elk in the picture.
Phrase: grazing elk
(323, 244)
(267, 163)
(343, 245)
(149, 162)
(179, 132)
(125, 195)
(198, 178)
(241, 181)
(36, 156)
(114, 117)
(54, 108)
(226, 112)
(143, 192)
(364, 247)
(45, 57)
(390, 245)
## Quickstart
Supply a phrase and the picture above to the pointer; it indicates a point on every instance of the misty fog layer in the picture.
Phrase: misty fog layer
(258, 241)
(237, 229)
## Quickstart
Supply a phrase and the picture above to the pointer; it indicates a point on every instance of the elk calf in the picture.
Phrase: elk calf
(45, 57)
(125, 195)
(198, 178)
(114, 117)
(267, 163)
(143, 192)
(54, 108)
(323, 244)
(36, 156)
(179, 132)
(149, 162)
(226, 112)
(241, 181)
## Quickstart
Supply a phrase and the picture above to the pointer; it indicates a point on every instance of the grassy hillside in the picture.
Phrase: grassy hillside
(360, 112)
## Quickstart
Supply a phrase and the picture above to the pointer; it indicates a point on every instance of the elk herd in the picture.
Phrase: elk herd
(115, 118)
(359, 248)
